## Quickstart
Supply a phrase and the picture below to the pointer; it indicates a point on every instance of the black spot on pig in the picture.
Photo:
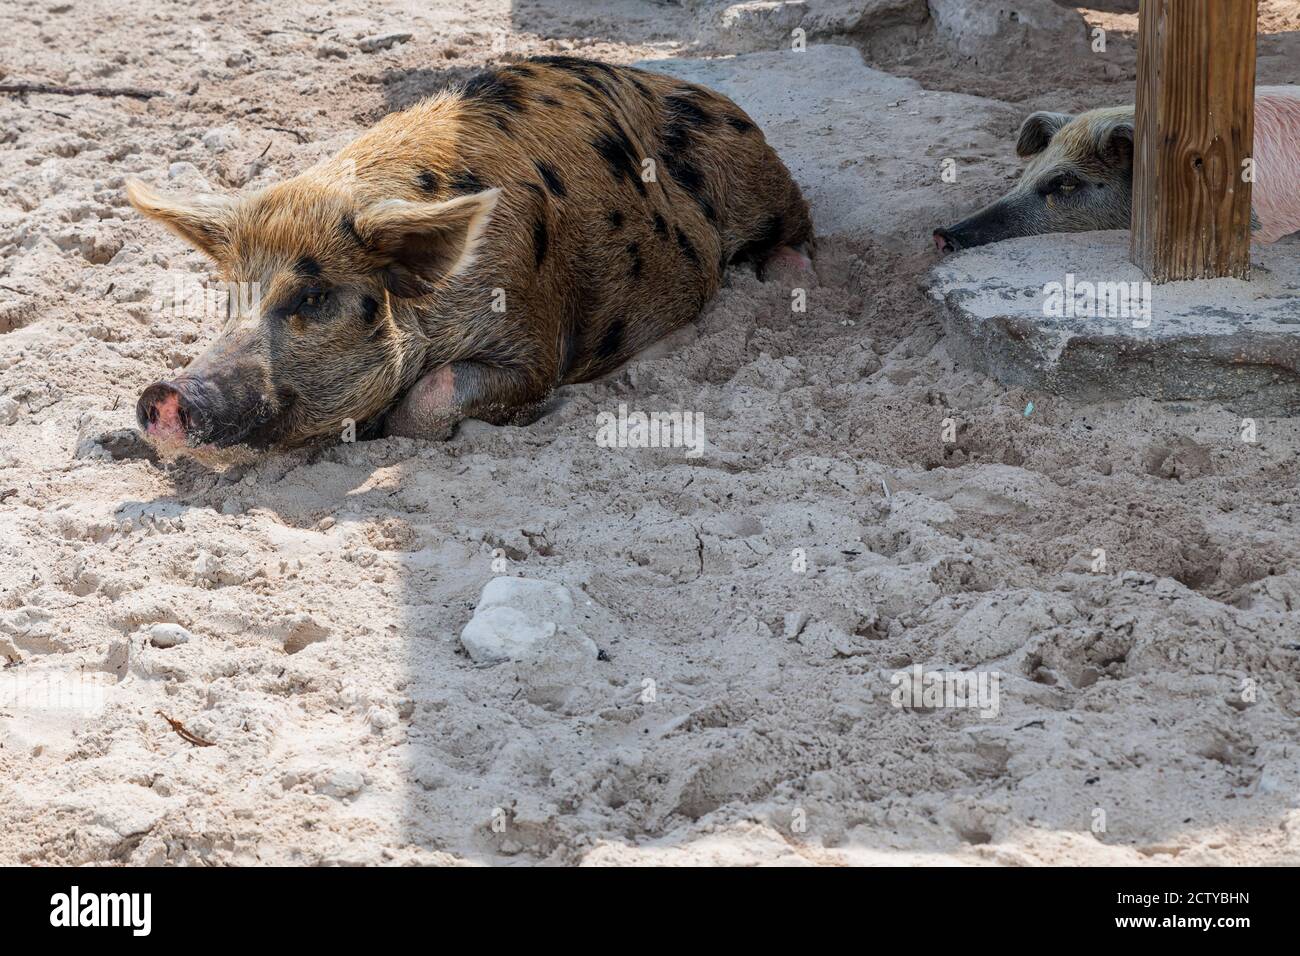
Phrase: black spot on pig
(615, 219)
(685, 113)
(635, 265)
(611, 341)
(307, 266)
(616, 149)
(739, 125)
(688, 176)
(684, 118)
(428, 181)
(661, 227)
(466, 182)
(495, 89)
(541, 240)
(551, 178)
(575, 64)
(598, 92)
(591, 73)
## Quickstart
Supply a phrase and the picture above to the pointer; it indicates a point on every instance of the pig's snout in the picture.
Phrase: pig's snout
(990, 225)
(166, 413)
(190, 411)
(198, 410)
(944, 242)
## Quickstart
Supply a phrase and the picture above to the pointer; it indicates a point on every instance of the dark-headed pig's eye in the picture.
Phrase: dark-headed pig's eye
(1060, 186)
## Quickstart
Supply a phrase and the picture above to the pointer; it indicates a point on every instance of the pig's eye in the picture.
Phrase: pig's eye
(1060, 186)
(311, 300)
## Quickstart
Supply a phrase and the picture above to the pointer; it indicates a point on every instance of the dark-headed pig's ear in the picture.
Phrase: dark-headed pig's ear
(204, 221)
(1114, 140)
(422, 243)
(1037, 131)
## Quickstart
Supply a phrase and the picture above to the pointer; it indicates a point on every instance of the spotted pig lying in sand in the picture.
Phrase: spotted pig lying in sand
(1079, 175)
(535, 227)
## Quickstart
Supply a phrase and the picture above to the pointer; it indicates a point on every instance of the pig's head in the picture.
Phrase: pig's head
(324, 302)
(1078, 177)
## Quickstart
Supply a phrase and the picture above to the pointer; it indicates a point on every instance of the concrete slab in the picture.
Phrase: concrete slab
(867, 148)
(1009, 311)
(985, 33)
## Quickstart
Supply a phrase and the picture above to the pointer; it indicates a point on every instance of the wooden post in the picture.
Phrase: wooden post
(1193, 131)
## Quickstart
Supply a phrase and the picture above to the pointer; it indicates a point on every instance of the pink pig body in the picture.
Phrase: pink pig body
(1275, 195)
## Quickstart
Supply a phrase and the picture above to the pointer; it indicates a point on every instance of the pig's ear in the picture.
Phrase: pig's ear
(423, 243)
(203, 221)
(1037, 131)
(1114, 139)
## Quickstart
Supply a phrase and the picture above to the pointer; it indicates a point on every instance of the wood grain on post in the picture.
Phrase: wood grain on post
(1194, 130)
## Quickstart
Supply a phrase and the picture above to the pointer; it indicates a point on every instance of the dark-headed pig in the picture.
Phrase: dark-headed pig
(534, 227)
(1079, 175)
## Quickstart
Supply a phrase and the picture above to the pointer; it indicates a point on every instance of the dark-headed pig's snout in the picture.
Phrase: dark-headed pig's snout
(945, 242)
(166, 413)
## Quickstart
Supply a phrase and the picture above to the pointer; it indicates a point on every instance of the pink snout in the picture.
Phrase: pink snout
(164, 414)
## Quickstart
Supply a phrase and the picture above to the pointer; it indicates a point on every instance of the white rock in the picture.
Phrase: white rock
(999, 32)
(338, 782)
(168, 635)
(515, 616)
(764, 17)
(503, 633)
(381, 41)
(188, 176)
(8, 411)
(795, 622)
(544, 597)
(221, 138)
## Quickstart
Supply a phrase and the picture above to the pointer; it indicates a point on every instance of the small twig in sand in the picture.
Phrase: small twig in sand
(134, 92)
(8, 493)
(284, 129)
(307, 30)
(184, 734)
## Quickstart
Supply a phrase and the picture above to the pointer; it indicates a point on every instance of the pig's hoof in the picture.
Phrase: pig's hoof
(428, 410)
(789, 265)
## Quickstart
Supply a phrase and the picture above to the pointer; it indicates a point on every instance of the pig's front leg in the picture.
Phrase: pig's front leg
(450, 393)
(790, 265)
